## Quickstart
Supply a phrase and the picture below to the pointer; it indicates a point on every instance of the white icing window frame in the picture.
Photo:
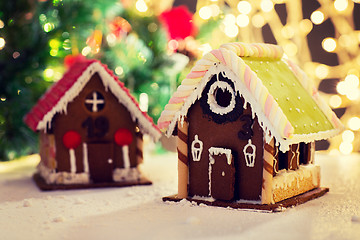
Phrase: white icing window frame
(214, 106)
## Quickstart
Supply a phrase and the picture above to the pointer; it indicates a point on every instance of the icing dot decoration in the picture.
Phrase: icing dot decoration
(123, 137)
(71, 139)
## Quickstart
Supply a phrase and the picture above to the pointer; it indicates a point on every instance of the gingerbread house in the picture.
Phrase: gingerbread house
(91, 131)
(246, 120)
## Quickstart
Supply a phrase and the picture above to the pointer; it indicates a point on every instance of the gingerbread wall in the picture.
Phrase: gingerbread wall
(248, 180)
(97, 129)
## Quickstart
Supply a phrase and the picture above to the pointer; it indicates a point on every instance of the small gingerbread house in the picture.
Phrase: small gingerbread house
(91, 131)
(246, 119)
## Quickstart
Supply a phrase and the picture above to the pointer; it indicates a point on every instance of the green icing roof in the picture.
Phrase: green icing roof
(296, 103)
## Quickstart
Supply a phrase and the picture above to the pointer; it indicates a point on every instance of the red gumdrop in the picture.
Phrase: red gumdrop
(71, 139)
(123, 137)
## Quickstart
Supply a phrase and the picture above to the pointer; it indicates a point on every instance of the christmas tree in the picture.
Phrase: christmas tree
(141, 45)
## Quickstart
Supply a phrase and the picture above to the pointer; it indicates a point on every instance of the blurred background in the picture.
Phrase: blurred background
(152, 45)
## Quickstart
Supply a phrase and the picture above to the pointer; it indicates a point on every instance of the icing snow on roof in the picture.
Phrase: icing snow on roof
(285, 101)
(56, 99)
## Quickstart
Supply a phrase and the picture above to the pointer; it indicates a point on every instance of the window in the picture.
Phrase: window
(219, 101)
(94, 101)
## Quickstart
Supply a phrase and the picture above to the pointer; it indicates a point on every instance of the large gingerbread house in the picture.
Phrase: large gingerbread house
(91, 131)
(246, 120)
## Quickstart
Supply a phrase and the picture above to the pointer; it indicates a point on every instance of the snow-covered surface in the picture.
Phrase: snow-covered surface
(139, 213)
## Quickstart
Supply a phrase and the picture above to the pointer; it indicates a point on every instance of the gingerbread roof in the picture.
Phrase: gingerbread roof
(280, 94)
(56, 99)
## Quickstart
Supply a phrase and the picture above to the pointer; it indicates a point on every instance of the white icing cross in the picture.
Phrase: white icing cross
(95, 101)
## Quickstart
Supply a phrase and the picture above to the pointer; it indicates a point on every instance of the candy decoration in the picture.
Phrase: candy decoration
(123, 137)
(71, 139)
(182, 150)
(266, 192)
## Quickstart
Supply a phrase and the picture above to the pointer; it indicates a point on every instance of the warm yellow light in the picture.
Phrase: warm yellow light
(215, 10)
(348, 136)
(119, 70)
(341, 5)
(306, 26)
(266, 5)
(205, 48)
(67, 44)
(244, 7)
(352, 94)
(144, 102)
(2, 43)
(141, 6)
(287, 32)
(231, 30)
(342, 88)
(352, 80)
(48, 73)
(205, 12)
(2, 25)
(317, 17)
(111, 39)
(321, 71)
(258, 21)
(229, 19)
(329, 44)
(335, 101)
(346, 148)
(48, 27)
(354, 123)
(54, 43)
(53, 52)
(242, 20)
(86, 51)
(290, 49)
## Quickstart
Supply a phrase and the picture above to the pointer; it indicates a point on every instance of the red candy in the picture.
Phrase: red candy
(123, 137)
(71, 139)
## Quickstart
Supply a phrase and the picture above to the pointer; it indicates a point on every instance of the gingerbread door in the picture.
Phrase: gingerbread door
(221, 174)
(101, 164)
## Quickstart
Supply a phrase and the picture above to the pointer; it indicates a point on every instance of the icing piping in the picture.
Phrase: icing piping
(212, 101)
(218, 151)
(85, 158)
(196, 151)
(72, 160)
(125, 154)
(249, 156)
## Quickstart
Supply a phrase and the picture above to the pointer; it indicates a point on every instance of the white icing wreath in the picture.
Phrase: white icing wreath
(214, 106)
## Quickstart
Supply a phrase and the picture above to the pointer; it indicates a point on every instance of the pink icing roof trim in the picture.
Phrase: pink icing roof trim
(58, 90)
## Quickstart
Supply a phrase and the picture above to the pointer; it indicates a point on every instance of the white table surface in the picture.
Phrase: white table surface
(139, 213)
